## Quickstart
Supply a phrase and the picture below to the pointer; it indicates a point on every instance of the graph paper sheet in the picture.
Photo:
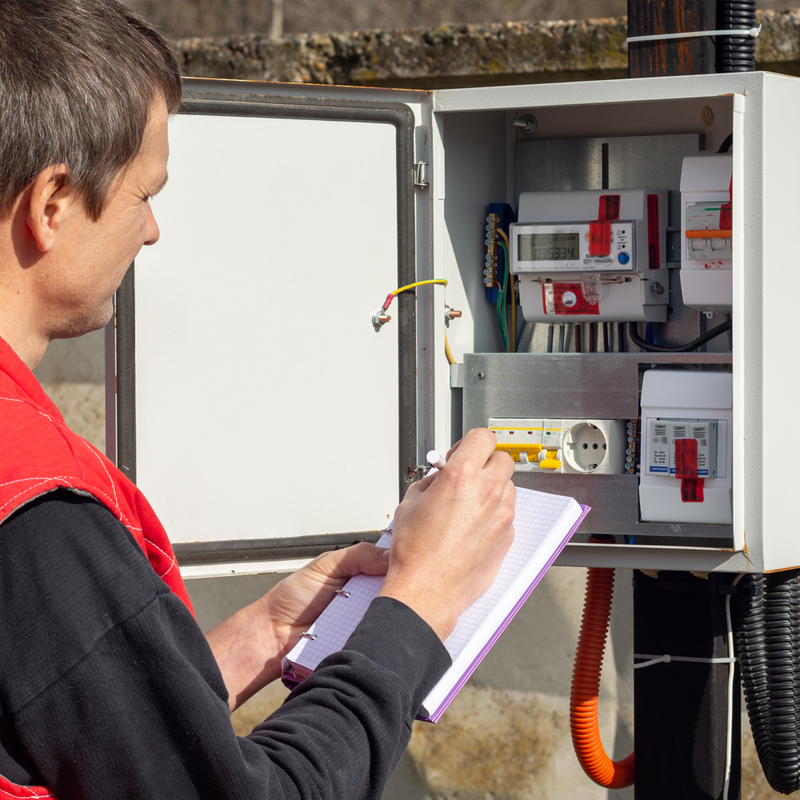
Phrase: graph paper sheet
(543, 524)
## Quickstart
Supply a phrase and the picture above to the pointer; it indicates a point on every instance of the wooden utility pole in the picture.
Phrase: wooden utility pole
(692, 56)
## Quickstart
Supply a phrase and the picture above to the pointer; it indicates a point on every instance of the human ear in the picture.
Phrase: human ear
(48, 200)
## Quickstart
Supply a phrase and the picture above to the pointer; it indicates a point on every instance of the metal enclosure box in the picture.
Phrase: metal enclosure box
(620, 134)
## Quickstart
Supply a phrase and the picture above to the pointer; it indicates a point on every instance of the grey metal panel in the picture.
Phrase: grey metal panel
(599, 385)
(614, 500)
(558, 165)
(555, 165)
(652, 161)
(582, 385)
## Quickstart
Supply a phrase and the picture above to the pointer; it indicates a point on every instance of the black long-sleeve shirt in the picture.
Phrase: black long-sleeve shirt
(108, 687)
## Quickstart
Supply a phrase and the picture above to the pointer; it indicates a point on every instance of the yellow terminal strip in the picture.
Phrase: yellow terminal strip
(550, 461)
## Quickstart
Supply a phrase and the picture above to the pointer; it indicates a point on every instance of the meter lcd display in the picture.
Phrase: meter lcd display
(548, 246)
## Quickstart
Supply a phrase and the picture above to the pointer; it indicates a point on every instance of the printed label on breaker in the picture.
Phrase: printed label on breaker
(659, 448)
(662, 435)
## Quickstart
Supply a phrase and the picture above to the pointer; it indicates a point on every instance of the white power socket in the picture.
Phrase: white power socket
(576, 446)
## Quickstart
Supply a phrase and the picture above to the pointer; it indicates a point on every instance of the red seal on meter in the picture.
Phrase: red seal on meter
(566, 299)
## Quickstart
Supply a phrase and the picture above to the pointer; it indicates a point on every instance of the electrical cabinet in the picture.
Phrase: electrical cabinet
(262, 381)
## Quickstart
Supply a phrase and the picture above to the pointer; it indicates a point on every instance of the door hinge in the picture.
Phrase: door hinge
(421, 174)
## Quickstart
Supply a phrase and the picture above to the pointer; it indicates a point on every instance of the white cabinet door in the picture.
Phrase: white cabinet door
(267, 405)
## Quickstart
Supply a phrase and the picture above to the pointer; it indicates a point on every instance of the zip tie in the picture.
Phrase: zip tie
(666, 659)
(655, 37)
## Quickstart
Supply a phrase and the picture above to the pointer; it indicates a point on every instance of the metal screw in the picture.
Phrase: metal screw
(527, 122)
(481, 376)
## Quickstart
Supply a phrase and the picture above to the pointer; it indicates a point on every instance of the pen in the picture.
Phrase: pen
(435, 460)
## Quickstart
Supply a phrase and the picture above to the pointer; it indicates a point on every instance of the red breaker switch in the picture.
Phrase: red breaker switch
(686, 470)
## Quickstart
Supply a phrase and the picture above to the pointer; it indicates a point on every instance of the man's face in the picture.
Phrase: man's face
(93, 256)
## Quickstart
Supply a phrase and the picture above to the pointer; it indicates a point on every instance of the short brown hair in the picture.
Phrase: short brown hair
(77, 81)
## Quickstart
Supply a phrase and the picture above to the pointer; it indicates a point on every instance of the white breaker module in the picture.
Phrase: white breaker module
(707, 235)
(686, 452)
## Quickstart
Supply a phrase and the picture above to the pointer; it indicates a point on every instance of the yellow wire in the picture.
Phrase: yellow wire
(447, 351)
(442, 281)
(512, 339)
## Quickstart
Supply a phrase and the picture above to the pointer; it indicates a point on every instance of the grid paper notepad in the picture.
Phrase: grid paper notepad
(543, 524)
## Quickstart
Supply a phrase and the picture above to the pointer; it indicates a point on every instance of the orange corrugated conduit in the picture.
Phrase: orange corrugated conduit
(586, 686)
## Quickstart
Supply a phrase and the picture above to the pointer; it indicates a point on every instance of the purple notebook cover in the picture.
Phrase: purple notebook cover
(436, 714)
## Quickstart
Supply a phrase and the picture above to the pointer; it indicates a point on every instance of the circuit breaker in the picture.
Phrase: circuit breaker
(590, 256)
(686, 446)
(707, 232)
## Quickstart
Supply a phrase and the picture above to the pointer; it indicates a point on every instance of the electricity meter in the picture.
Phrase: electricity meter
(591, 256)
(707, 235)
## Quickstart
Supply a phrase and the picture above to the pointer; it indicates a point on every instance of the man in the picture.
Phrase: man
(108, 689)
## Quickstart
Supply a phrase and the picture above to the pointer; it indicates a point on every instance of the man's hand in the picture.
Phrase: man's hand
(452, 531)
(249, 645)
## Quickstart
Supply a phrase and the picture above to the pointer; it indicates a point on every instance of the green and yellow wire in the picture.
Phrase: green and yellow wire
(388, 301)
(509, 337)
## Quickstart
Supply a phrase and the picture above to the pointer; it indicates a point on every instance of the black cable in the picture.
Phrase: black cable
(725, 147)
(678, 348)
(736, 53)
(765, 623)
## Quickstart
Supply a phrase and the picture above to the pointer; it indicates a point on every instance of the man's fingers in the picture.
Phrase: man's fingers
(478, 444)
(500, 463)
(453, 449)
(363, 557)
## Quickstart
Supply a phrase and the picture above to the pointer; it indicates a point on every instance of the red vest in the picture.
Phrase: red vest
(39, 453)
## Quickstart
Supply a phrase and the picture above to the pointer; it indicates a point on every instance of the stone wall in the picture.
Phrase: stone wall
(455, 55)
